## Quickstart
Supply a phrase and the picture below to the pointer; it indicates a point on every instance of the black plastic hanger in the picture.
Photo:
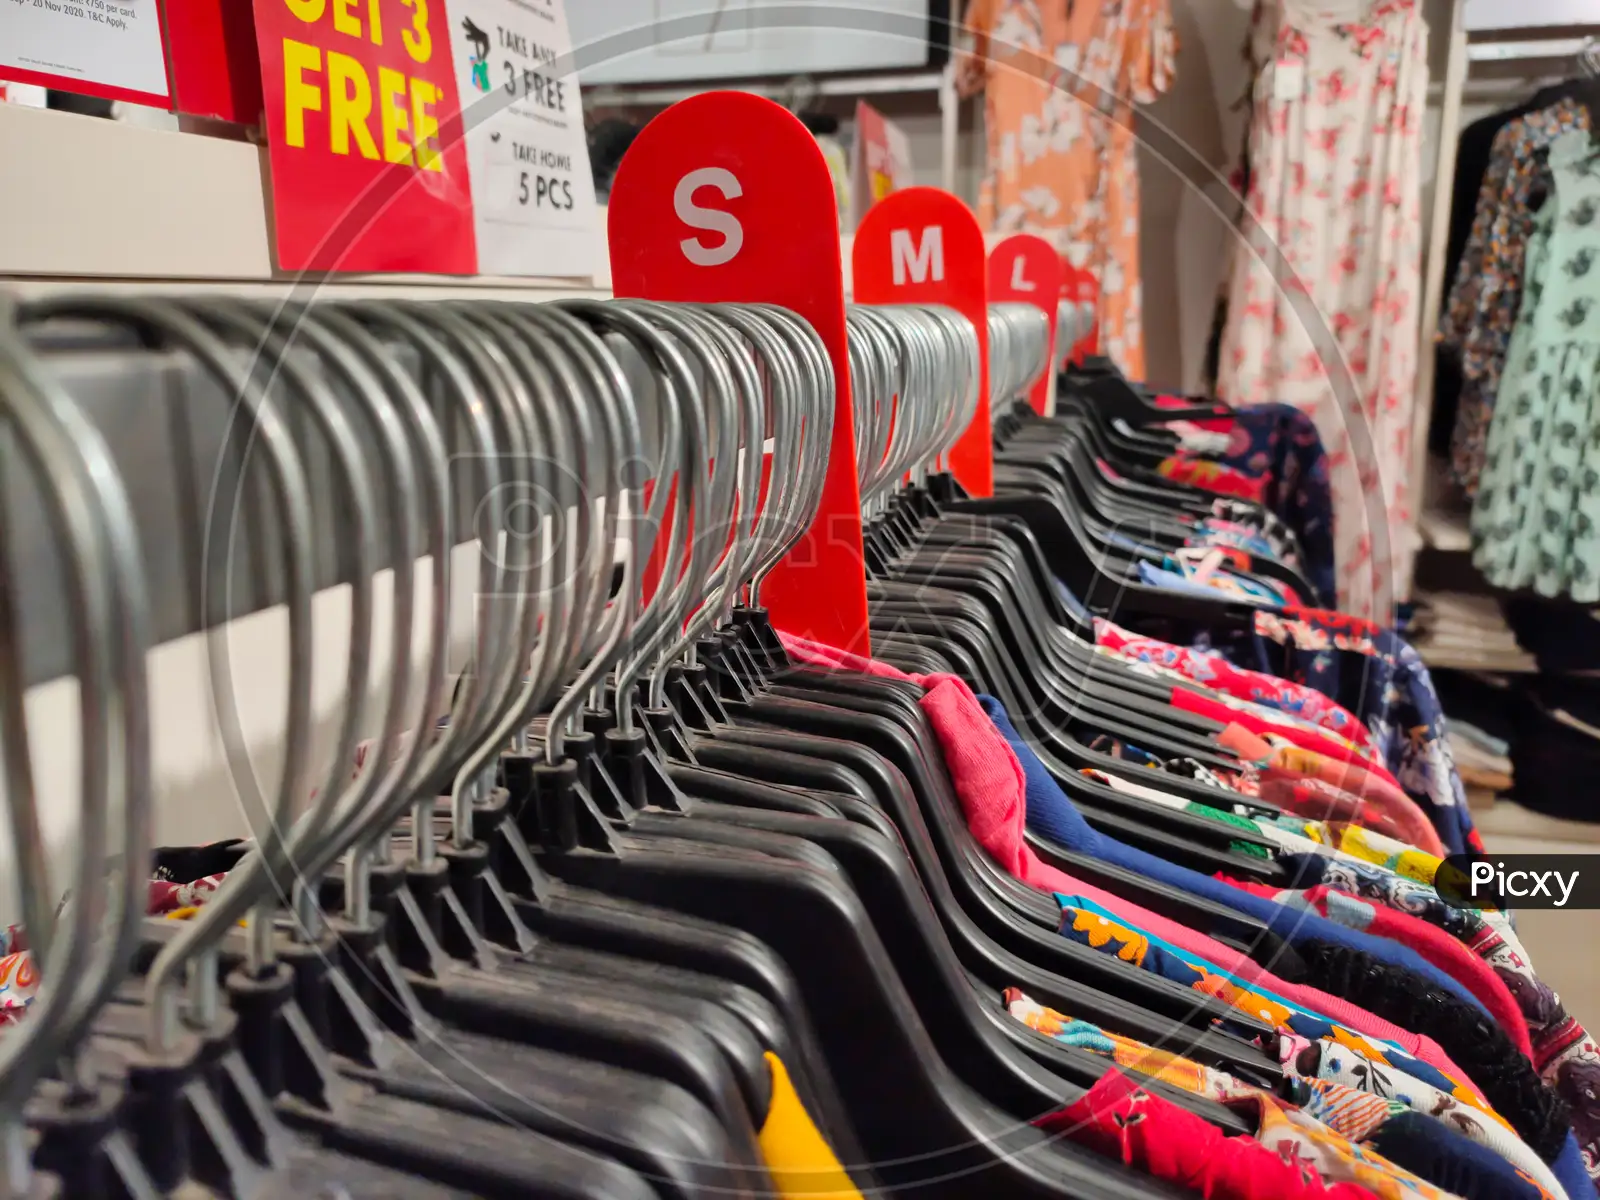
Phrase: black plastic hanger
(921, 1126)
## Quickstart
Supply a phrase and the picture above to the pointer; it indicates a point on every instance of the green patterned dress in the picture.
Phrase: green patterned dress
(1536, 517)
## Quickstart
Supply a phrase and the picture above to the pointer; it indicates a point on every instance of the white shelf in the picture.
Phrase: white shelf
(1514, 16)
(1543, 48)
(94, 202)
(88, 200)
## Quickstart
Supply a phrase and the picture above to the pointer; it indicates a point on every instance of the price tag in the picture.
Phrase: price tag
(1288, 79)
(526, 147)
(106, 48)
(361, 98)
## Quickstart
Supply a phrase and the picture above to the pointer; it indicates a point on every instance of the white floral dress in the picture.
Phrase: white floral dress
(1324, 292)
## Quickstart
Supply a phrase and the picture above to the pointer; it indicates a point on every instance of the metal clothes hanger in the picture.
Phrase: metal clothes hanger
(164, 322)
(554, 1172)
(859, 361)
(103, 582)
(360, 324)
(115, 510)
(543, 384)
(281, 839)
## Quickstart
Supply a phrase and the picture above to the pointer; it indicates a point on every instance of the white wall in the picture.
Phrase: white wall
(1186, 227)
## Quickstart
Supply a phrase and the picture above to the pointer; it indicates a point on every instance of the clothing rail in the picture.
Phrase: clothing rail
(164, 420)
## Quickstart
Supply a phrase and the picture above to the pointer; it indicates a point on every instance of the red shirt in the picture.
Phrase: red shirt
(1121, 1120)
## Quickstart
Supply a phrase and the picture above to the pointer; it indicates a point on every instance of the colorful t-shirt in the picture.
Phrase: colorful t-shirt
(1400, 706)
(1435, 945)
(1357, 1115)
(1090, 925)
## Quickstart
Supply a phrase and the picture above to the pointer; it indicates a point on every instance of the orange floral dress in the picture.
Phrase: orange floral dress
(1060, 79)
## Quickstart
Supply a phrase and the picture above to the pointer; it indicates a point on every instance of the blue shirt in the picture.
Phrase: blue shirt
(1053, 815)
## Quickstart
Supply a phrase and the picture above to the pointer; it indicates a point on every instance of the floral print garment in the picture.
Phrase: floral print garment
(1088, 924)
(166, 896)
(1060, 83)
(1328, 269)
(1280, 445)
(1536, 519)
(1285, 443)
(1211, 476)
(1231, 534)
(1217, 673)
(1124, 1121)
(1329, 1066)
(1400, 706)
(1487, 294)
(1318, 800)
(1507, 502)
(1331, 1112)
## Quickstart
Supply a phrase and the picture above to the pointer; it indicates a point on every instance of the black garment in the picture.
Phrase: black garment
(1472, 1040)
(1563, 636)
(1472, 161)
(1552, 758)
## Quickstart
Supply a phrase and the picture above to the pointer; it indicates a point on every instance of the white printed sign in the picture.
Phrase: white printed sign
(109, 48)
(531, 187)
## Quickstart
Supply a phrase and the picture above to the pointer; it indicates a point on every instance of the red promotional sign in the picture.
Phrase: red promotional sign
(369, 169)
(923, 246)
(726, 197)
(1025, 269)
(216, 71)
(881, 163)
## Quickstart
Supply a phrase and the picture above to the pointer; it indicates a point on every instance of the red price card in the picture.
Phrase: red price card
(369, 169)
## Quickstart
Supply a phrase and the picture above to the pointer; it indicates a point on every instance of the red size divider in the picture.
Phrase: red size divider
(1080, 287)
(923, 246)
(726, 196)
(1025, 269)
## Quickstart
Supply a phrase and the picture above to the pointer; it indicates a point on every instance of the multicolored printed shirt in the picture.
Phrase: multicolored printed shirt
(1088, 924)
